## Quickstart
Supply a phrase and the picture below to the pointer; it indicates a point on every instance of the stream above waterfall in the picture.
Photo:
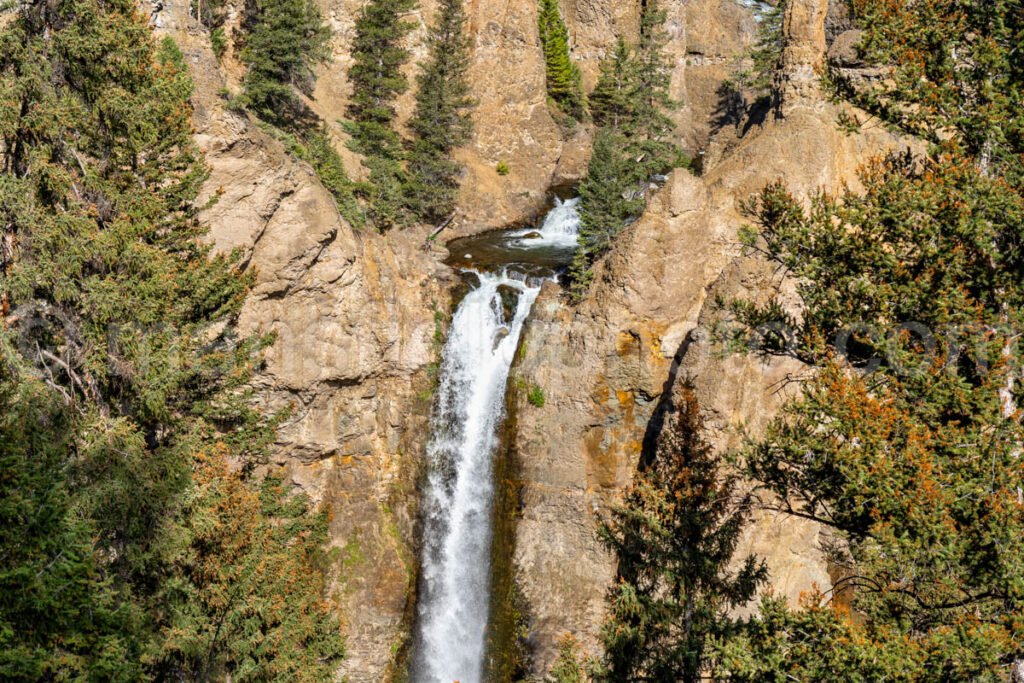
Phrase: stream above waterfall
(505, 270)
(539, 251)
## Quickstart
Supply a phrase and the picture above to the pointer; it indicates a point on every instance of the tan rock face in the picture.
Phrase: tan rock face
(708, 40)
(354, 319)
(646, 326)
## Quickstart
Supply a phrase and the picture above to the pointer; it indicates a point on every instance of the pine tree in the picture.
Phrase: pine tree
(613, 102)
(564, 81)
(441, 121)
(956, 78)
(377, 79)
(568, 668)
(674, 537)
(651, 130)
(59, 617)
(633, 143)
(248, 596)
(117, 310)
(767, 51)
(284, 41)
(608, 201)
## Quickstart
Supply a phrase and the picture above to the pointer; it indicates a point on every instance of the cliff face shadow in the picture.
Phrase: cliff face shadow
(733, 110)
(664, 408)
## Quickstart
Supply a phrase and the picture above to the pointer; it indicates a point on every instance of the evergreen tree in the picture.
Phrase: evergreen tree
(633, 142)
(650, 129)
(674, 538)
(568, 668)
(564, 81)
(608, 201)
(376, 78)
(247, 596)
(767, 50)
(613, 102)
(956, 77)
(59, 617)
(120, 323)
(284, 41)
(441, 121)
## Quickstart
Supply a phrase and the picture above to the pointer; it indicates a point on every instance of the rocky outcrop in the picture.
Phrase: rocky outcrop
(612, 364)
(355, 316)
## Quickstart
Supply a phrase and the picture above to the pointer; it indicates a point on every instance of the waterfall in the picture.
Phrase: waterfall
(454, 605)
(454, 600)
(559, 229)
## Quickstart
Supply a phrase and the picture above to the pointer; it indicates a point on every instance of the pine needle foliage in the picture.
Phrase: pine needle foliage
(767, 51)
(634, 141)
(59, 615)
(119, 358)
(441, 121)
(284, 40)
(674, 537)
(247, 598)
(377, 79)
(564, 81)
(613, 101)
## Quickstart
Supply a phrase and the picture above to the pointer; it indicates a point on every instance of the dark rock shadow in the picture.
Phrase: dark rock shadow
(664, 408)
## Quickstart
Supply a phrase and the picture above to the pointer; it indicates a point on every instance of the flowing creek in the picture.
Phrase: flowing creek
(506, 270)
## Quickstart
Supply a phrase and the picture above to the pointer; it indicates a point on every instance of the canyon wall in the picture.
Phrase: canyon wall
(358, 317)
(647, 325)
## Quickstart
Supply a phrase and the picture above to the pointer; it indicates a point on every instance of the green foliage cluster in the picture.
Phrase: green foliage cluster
(377, 79)
(535, 396)
(568, 667)
(957, 78)
(441, 121)
(122, 382)
(633, 142)
(674, 536)
(218, 41)
(564, 81)
(283, 41)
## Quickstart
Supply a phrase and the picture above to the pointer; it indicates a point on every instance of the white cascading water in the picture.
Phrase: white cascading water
(458, 505)
(560, 228)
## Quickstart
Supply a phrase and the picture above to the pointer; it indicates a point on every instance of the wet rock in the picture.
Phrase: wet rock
(499, 336)
(508, 299)
(533, 235)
